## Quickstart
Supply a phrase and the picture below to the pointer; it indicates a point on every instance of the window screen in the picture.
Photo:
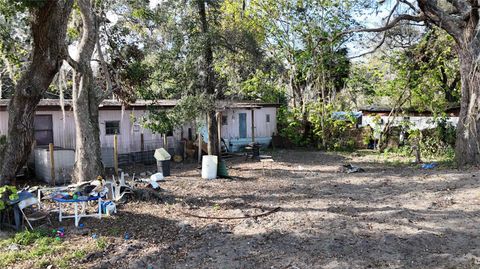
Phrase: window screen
(112, 127)
(224, 120)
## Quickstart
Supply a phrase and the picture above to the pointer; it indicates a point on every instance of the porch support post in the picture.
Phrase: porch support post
(253, 125)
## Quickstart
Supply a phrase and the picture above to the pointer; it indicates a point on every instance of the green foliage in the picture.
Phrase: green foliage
(289, 124)
(40, 249)
(14, 37)
(440, 141)
(326, 131)
(330, 132)
(7, 193)
(29, 237)
(187, 109)
(101, 243)
(422, 77)
(435, 144)
(35, 244)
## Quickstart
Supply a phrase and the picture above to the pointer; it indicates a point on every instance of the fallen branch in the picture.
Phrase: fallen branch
(244, 217)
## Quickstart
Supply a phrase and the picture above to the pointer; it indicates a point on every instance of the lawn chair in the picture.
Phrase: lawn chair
(120, 190)
(33, 212)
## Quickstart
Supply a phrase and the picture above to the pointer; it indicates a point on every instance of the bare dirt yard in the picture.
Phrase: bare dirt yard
(390, 216)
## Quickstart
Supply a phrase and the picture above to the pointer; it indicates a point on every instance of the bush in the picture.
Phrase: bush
(290, 126)
(317, 127)
(7, 193)
(438, 142)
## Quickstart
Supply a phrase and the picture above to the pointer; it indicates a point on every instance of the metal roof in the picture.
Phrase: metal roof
(112, 104)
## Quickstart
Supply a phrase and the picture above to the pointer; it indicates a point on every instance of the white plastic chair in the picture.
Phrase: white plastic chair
(120, 189)
(36, 214)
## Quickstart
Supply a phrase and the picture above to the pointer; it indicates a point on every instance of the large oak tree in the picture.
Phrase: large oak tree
(48, 29)
(460, 19)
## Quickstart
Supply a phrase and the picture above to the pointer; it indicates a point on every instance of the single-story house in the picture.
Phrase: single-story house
(54, 124)
(420, 119)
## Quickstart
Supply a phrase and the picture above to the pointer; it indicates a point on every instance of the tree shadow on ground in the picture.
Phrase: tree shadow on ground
(335, 222)
(215, 246)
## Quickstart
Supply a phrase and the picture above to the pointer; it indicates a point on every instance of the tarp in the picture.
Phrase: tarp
(343, 115)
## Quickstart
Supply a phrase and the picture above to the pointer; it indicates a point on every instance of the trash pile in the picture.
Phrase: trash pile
(348, 168)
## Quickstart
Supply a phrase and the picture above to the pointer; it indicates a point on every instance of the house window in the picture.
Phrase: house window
(112, 127)
(43, 125)
(268, 118)
(136, 127)
(224, 120)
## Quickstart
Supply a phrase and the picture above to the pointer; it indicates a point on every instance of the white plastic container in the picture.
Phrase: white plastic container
(157, 177)
(209, 166)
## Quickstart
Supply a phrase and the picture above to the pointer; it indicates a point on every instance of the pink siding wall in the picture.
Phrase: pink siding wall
(130, 132)
(128, 139)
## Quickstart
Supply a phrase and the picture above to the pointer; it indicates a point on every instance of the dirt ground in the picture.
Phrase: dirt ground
(398, 216)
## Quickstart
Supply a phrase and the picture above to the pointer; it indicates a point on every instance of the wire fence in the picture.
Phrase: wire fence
(143, 156)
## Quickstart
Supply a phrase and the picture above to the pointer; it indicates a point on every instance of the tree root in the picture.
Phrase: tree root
(244, 217)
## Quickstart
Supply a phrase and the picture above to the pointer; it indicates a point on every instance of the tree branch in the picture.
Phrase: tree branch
(108, 79)
(410, 5)
(74, 64)
(373, 50)
(474, 16)
(450, 23)
(403, 17)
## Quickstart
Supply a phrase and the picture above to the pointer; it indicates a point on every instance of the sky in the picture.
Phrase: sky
(154, 3)
(369, 19)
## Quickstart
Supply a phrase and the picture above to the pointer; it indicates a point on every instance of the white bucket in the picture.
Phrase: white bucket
(209, 166)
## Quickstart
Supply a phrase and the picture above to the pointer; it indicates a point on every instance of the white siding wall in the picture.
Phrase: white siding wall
(419, 122)
(262, 128)
(63, 129)
(3, 122)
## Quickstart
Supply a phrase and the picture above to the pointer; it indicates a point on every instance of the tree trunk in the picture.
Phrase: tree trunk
(467, 147)
(209, 79)
(212, 134)
(86, 100)
(49, 26)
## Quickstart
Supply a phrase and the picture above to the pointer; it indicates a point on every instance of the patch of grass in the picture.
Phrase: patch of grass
(26, 238)
(41, 247)
(68, 259)
(114, 231)
(33, 245)
(101, 243)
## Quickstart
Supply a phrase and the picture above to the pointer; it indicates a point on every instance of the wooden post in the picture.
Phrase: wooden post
(184, 150)
(115, 154)
(199, 146)
(52, 163)
(165, 142)
(219, 132)
(142, 143)
(253, 125)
